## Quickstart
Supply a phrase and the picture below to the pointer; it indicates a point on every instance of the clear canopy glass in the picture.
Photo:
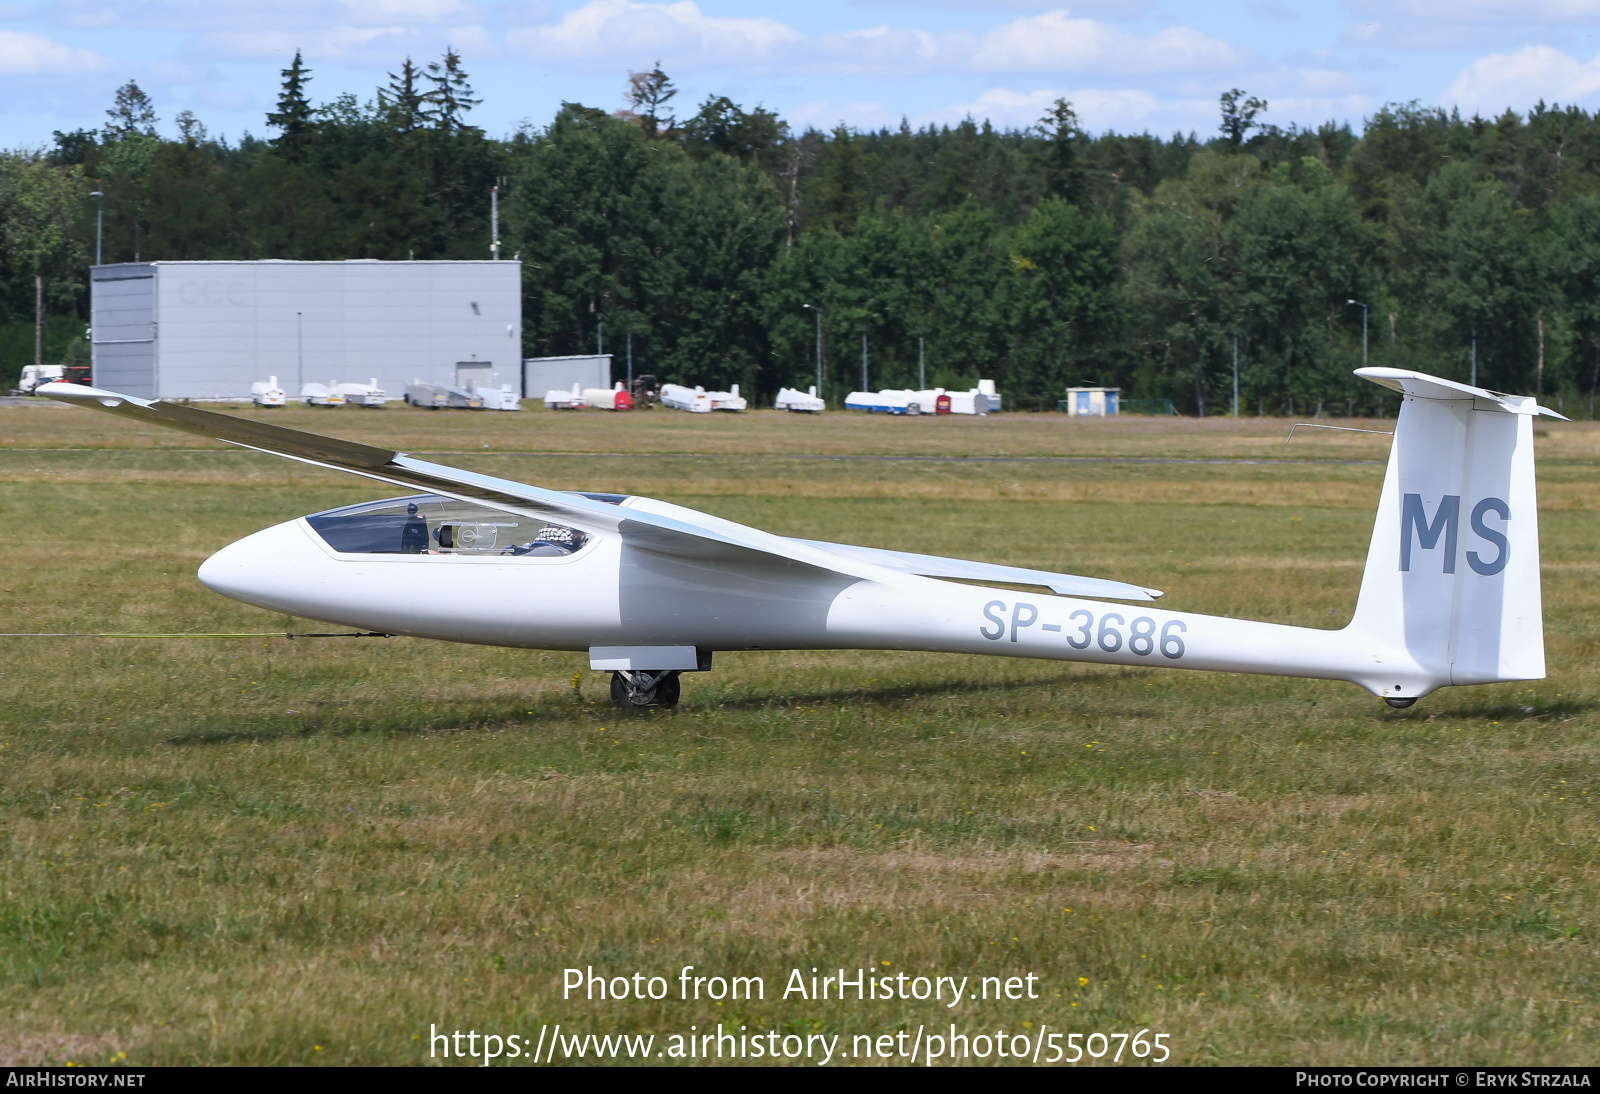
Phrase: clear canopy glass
(426, 524)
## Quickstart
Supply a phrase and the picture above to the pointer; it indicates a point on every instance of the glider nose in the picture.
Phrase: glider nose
(265, 569)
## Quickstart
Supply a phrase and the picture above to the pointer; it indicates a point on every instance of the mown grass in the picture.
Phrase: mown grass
(297, 852)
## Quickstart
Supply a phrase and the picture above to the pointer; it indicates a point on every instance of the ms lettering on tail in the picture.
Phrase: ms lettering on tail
(1447, 523)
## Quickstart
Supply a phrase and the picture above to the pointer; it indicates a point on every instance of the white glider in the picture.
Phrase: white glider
(1450, 594)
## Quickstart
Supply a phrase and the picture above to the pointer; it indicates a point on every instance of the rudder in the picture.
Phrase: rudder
(1451, 588)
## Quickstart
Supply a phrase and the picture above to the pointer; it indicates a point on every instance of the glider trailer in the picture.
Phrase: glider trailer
(1450, 594)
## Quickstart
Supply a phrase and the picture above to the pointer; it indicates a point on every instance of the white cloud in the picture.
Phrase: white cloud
(603, 33)
(1056, 42)
(333, 44)
(1451, 25)
(375, 46)
(1455, 12)
(238, 15)
(1519, 80)
(24, 54)
(1110, 9)
(381, 12)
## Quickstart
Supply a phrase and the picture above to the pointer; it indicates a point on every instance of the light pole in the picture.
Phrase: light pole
(600, 336)
(1235, 372)
(1363, 308)
(863, 357)
(818, 346)
(1474, 380)
(99, 220)
(494, 222)
(922, 364)
(630, 358)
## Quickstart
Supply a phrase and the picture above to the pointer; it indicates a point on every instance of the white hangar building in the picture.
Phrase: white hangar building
(208, 330)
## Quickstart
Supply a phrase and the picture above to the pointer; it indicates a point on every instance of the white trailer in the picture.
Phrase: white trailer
(562, 399)
(266, 393)
(800, 402)
(313, 394)
(697, 400)
(441, 396)
(364, 394)
(983, 399)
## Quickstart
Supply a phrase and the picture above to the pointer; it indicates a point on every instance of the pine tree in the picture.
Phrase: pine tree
(451, 96)
(648, 94)
(403, 100)
(294, 113)
(1062, 162)
(133, 113)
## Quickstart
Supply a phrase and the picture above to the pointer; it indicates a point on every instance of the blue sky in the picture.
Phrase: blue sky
(1128, 65)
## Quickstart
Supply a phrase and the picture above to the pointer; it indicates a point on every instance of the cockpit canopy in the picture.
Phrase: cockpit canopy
(426, 524)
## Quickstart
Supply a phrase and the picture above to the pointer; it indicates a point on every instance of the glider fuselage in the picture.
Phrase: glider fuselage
(611, 593)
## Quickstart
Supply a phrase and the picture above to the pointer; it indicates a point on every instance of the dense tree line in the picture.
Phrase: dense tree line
(1043, 257)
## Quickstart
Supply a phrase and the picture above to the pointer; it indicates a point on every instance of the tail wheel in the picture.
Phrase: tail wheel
(645, 689)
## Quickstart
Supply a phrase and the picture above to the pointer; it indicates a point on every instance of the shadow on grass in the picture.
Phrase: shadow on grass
(1498, 712)
(889, 696)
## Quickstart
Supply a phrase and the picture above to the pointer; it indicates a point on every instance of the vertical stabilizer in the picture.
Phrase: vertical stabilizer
(1452, 579)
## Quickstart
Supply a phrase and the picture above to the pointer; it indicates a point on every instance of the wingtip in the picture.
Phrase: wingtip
(64, 392)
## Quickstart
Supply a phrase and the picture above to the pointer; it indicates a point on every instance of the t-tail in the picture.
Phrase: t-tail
(1451, 589)
(1450, 594)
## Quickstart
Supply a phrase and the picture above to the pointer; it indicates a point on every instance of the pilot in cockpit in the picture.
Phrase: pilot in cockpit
(414, 534)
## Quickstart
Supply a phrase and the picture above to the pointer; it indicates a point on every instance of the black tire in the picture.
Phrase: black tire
(1399, 703)
(668, 690)
(664, 694)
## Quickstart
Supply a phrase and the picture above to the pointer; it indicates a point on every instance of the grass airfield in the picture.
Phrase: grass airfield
(264, 851)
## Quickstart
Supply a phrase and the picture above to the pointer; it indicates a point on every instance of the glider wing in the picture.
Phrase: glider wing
(655, 531)
(962, 570)
(639, 522)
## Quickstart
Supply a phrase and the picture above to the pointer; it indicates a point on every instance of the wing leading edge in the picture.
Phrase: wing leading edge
(640, 522)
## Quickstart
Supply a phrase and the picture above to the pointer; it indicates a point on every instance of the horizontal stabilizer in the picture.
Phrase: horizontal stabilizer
(963, 570)
(1422, 386)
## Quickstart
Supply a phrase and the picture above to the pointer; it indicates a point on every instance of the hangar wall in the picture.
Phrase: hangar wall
(208, 330)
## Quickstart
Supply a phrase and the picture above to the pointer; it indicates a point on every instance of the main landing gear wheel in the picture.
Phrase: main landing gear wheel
(645, 689)
(1399, 702)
